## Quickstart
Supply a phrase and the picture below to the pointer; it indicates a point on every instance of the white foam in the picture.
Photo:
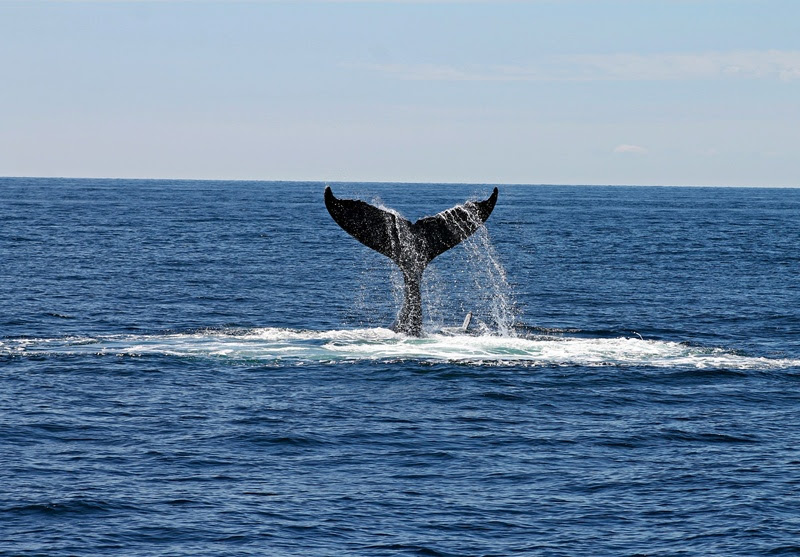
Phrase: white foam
(285, 346)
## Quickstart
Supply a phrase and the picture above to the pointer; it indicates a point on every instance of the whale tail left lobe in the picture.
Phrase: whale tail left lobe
(410, 245)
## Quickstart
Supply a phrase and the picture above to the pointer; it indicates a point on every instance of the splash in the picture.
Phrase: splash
(491, 281)
(475, 281)
(468, 278)
(290, 347)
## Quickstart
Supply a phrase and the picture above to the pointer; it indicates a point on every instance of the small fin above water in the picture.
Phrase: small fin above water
(467, 321)
(463, 329)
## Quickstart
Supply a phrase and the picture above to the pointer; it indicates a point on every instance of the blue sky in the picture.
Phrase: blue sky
(662, 92)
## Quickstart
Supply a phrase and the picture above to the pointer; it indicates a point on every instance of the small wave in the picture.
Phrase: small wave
(415, 549)
(278, 346)
(706, 437)
(59, 315)
(75, 506)
(785, 550)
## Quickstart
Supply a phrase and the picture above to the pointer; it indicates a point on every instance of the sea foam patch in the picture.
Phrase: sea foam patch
(295, 346)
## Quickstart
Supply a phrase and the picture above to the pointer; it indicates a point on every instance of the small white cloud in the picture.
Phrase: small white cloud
(634, 149)
(788, 74)
(418, 72)
(748, 64)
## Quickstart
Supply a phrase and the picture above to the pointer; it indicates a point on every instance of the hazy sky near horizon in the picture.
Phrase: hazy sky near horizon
(667, 92)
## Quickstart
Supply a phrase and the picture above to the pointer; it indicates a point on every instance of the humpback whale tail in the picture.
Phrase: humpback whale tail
(410, 245)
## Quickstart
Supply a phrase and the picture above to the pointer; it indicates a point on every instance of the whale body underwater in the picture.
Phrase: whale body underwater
(412, 246)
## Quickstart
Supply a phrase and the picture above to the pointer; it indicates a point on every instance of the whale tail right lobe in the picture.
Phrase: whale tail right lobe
(410, 245)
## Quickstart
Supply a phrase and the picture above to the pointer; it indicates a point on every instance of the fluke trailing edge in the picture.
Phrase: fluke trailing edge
(411, 246)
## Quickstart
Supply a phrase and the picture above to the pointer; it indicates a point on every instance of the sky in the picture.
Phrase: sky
(661, 92)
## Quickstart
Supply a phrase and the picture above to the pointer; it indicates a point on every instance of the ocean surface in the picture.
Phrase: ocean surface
(207, 368)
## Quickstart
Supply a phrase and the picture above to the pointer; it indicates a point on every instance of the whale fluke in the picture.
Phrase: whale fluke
(410, 245)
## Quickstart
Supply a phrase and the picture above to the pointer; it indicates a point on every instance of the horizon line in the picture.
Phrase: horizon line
(399, 182)
(396, 182)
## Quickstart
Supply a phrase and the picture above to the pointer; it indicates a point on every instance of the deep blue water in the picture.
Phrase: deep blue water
(204, 368)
